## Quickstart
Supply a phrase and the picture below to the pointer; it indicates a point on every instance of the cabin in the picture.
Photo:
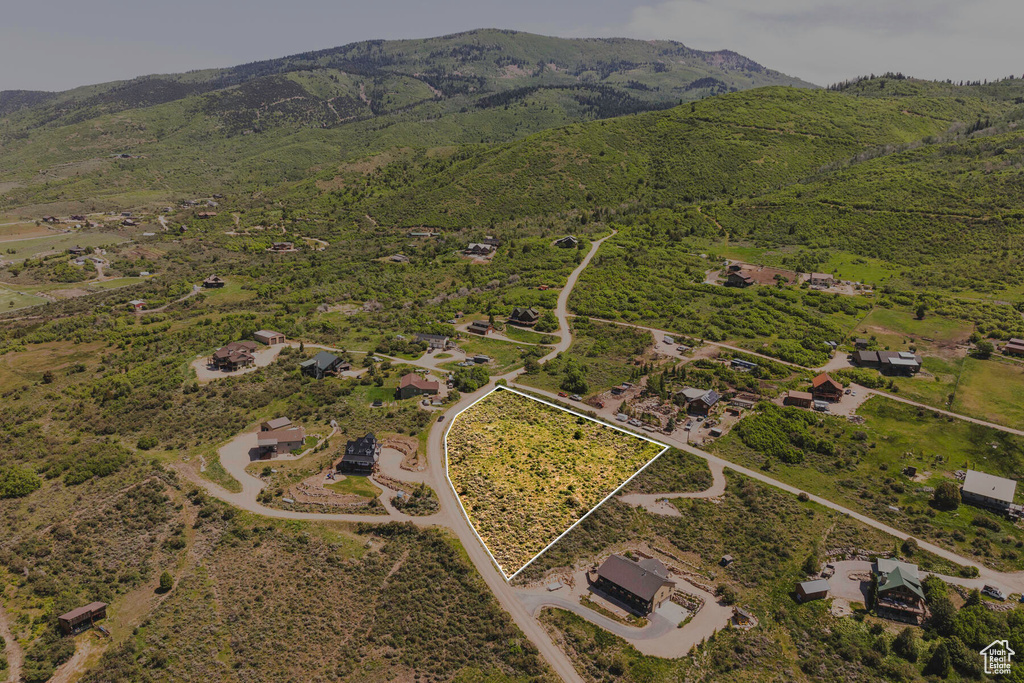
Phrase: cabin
(413, 384)
(50, 219)
(269, 337)
(282, 246)
(280, 441)
(567, 242)
(822, 280)
(824, 388)
(699, 401)
(738, 279)
(137, 304)
(641, 586)
(323, 364)
(526, 317)
(478, 249)
(899, 595)
(988, 491)
(81, 618)
(744, 400)
(1014, 347)
(214, 282)
(276, 423)
(76, 251)
(206, 214)
(234, 356)
(861, 343)
(800, 399)
(481, 327)
(361, 455)
(491, 240)
(812, 590)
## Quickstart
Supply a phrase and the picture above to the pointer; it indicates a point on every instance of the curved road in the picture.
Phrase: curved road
(451, 515)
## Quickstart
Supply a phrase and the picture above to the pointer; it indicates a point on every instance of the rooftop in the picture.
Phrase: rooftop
(990, 486)
(642, 579)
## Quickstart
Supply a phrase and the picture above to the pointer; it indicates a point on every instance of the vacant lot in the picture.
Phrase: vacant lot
(992, 390)
(526, 471)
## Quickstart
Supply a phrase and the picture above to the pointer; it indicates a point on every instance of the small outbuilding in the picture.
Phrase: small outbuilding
(269, 337)
(481, 327)
(812, 590)
(800, 399)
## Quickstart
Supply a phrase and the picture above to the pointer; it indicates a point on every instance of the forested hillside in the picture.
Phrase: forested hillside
(263, 122)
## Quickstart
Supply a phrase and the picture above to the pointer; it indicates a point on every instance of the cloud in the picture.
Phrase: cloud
(825, 41)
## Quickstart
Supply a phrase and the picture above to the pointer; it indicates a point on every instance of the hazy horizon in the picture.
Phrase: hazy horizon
(821, 41)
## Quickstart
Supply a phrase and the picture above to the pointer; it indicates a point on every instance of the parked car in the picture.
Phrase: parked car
(562, 393)
(993, 592)
(440, 418)
(576, 397)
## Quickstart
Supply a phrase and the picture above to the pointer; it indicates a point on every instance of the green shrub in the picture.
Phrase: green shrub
(16, 482)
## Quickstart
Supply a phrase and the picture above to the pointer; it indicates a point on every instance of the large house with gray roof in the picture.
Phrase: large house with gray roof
(642, 586)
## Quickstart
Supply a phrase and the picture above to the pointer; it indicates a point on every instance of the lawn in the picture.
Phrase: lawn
(528, 336)
(526, 472)
(11, 299)
(27, 248)
(992, 390)
(505, 355)
(897, 327)
(861, 467)
(356, 486)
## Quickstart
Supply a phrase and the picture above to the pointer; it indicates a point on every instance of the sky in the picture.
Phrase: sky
(60, 44)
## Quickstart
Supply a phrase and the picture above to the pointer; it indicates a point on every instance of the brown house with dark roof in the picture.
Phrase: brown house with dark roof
(234, 356)
(279, 441)
(738, 279)
(82, 617)
(642, 586)
(800, 399)
(414, 385)
(481, 327)
(214, 282)
(527, 317)
(824, 388)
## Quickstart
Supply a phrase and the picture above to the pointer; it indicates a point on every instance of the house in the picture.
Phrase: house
(899, 362)
(861, 343)
(822, 280)
(527, 317)
(77, 217)
(480, 359)
(988, 491)
(414, 385)
(269, 337)
(642, 586)
(282, 246)
(800, 399)
(214, 282)
(700, 401)
(361, 455)
(812, 590)
(80, 618)
(276, 423)
(866, 359)
(234, 356)
(137, 304)
(50, 219)
(76, 251)
(491, 240)
(478, 249)
(1014, 347)
(323, 364)
(738, 279)
(280, 441)
(899, 595)
(481, 327)
(824, 388)
(567, 242)
(129, 223)
(433, 341)
(743, 365)
(206, 214)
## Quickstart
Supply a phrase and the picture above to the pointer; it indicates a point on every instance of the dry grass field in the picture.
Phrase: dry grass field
(526, 471)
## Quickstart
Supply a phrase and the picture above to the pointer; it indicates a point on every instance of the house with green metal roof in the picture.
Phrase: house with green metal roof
(899, 594)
